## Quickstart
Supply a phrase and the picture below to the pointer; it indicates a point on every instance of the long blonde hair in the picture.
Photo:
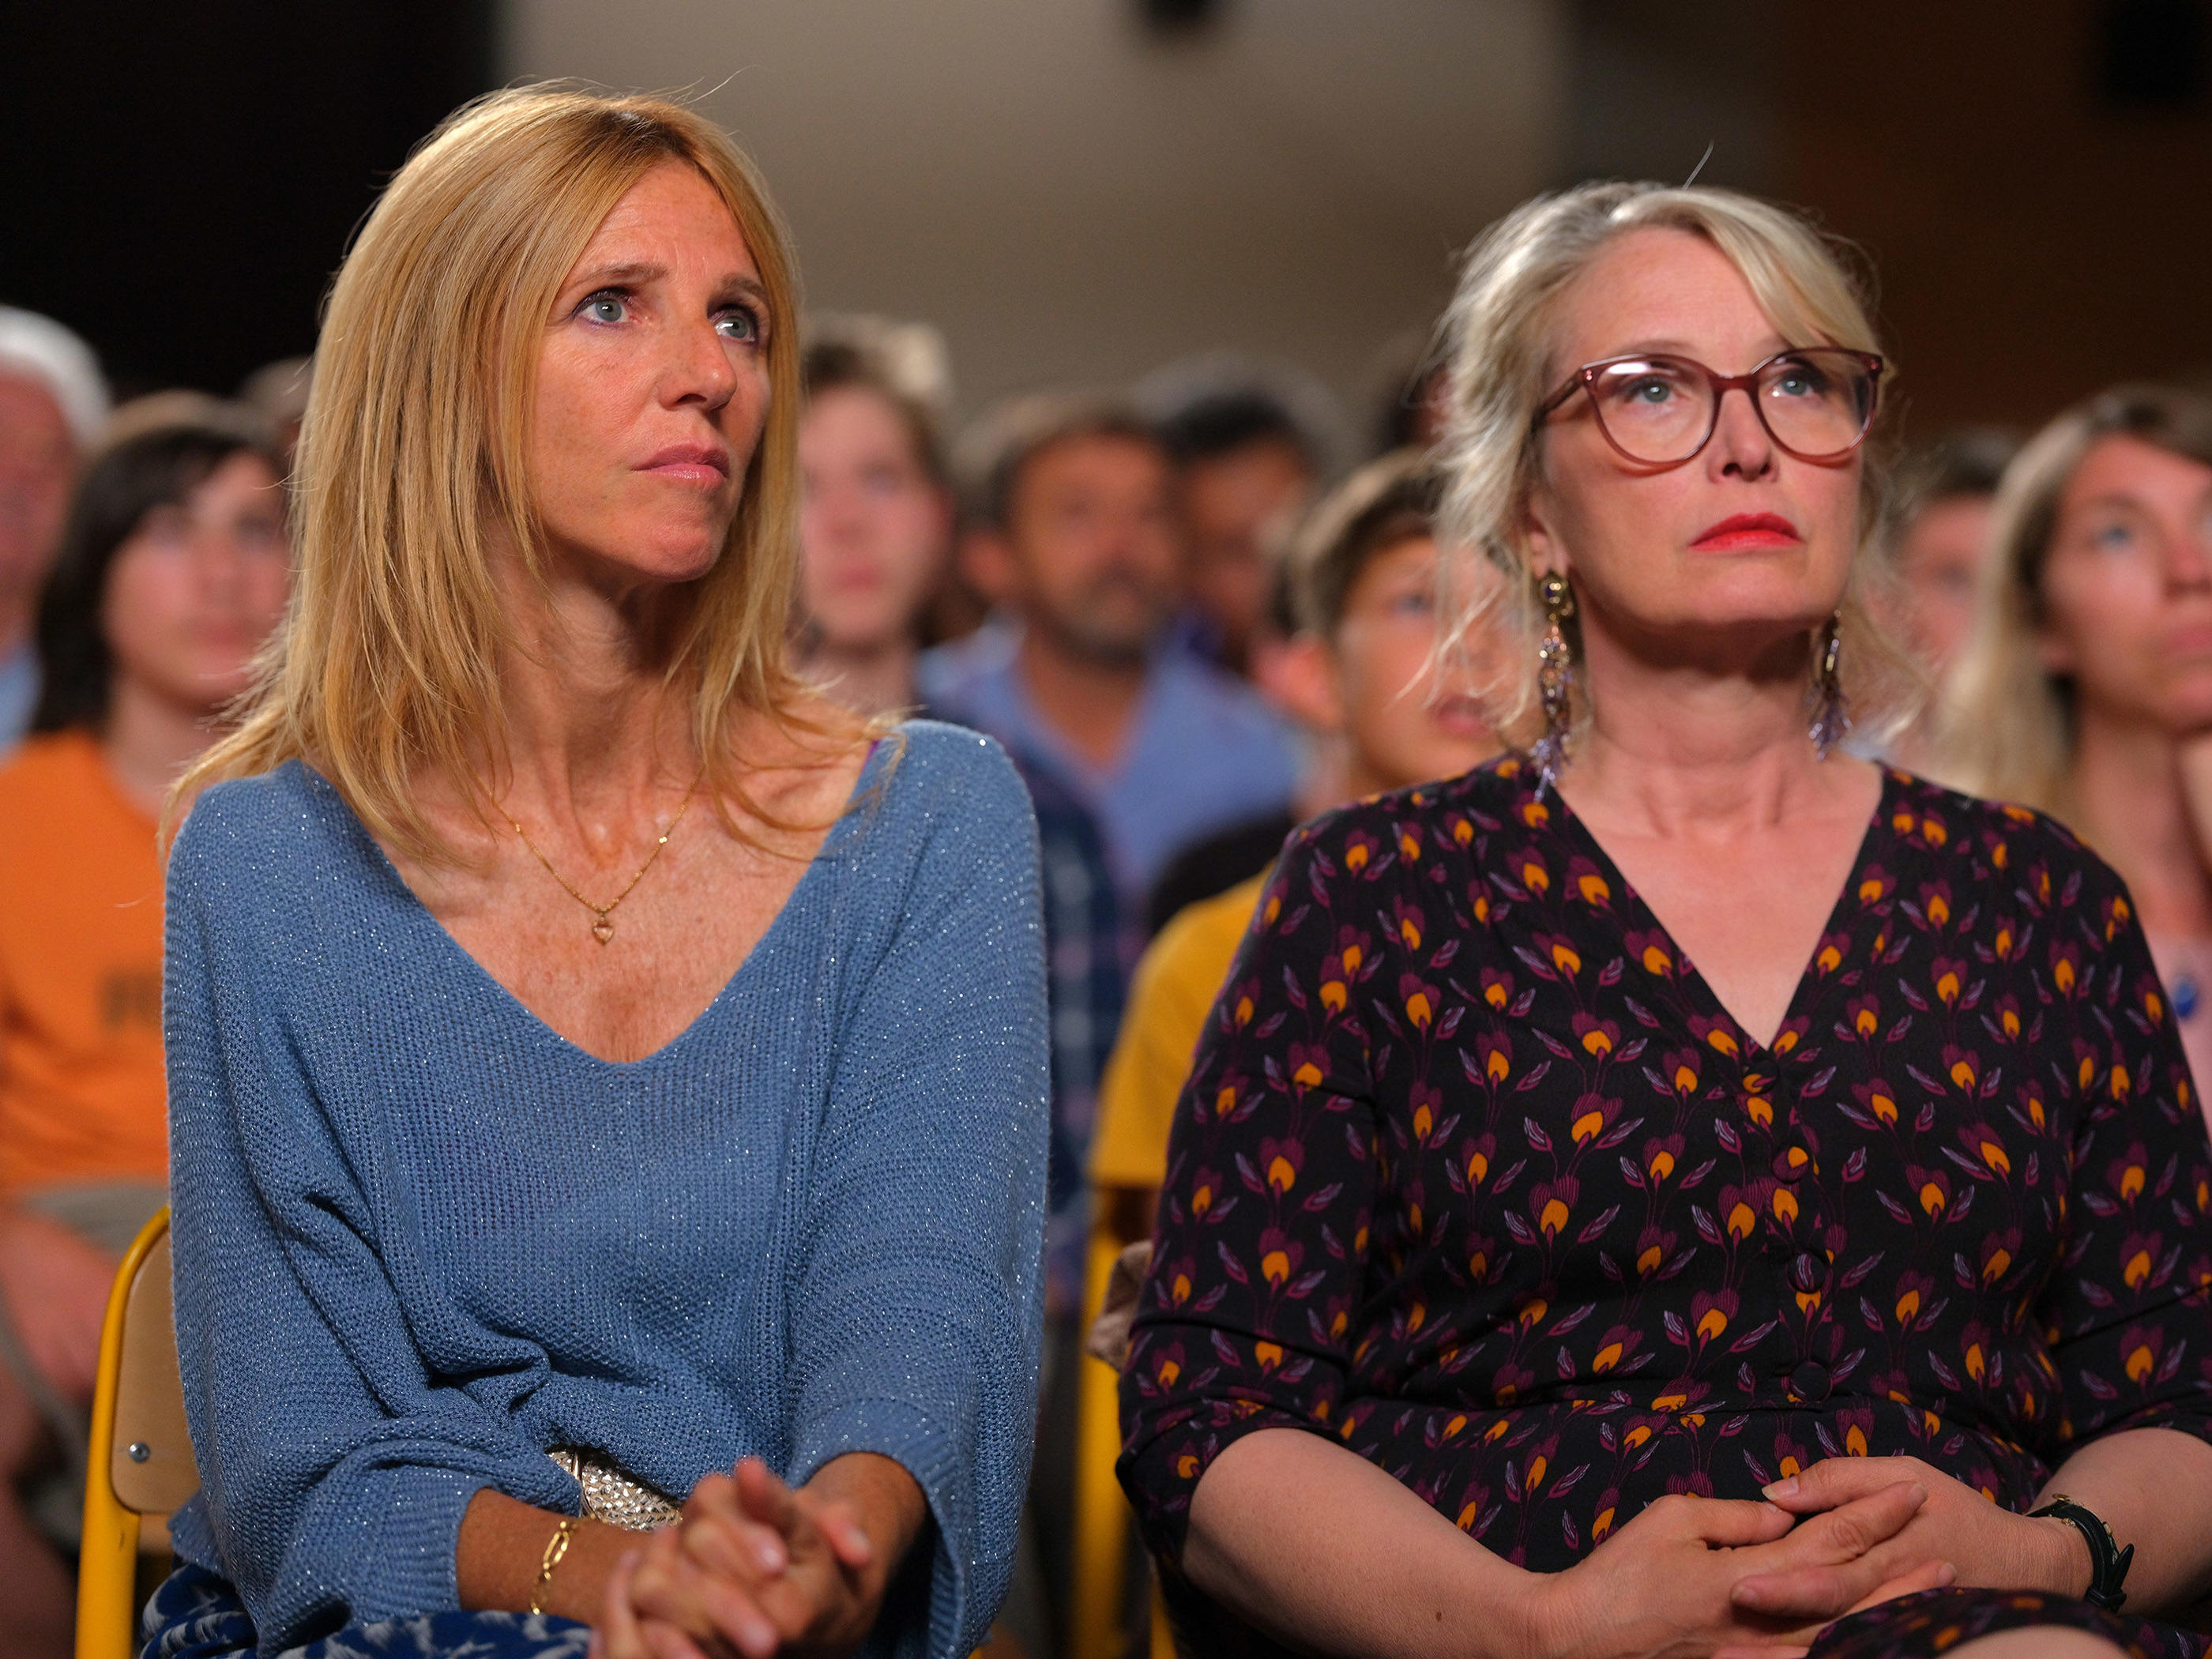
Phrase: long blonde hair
(2006, 725)
(411, 462)
(1502, 367)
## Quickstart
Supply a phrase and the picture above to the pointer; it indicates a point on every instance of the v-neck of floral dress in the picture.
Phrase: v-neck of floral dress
(1652, 933)
(1474, 1173)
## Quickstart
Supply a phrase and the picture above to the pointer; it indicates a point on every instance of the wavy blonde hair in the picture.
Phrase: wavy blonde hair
(411, 463)
(1503, 362)
(2005, 727)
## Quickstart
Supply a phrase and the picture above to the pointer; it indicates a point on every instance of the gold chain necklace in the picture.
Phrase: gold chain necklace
(602, 929)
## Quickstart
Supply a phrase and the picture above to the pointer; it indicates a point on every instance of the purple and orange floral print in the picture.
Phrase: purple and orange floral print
(1474, 1174)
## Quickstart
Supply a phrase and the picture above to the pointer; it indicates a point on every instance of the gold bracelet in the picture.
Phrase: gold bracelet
(556, 1548)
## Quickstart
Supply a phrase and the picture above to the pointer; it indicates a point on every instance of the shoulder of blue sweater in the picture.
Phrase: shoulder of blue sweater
(946, 763)
(246, 816)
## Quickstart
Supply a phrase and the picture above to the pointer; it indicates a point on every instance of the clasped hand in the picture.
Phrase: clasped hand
(755, 1570)
(1695, 1576)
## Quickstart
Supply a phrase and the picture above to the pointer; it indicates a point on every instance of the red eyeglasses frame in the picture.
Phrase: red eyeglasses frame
(1585, 378)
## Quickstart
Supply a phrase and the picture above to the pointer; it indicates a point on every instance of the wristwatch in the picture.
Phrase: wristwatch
(2108, 1562)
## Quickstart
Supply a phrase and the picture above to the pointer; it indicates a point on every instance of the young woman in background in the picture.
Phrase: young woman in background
(2086, 690)
(173, 572)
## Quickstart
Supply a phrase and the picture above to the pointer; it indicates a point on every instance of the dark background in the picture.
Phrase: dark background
(178, 180)
(2032, 179)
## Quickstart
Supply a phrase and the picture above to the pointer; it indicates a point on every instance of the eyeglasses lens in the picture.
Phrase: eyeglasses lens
(1661, 410)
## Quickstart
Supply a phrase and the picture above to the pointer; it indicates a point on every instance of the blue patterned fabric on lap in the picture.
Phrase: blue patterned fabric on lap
(195, 1614)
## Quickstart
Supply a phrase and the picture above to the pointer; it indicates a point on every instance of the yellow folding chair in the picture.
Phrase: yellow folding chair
(139, 1466)
(1103, 1524)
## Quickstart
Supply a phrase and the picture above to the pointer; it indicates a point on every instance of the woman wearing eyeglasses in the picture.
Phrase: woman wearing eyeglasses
(1680, 1188)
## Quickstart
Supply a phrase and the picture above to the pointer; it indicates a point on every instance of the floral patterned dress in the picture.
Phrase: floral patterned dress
(1475, 1173)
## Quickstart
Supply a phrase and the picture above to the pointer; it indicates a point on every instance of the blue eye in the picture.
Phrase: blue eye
(2112, 536)
(605, 306)
(739, 323)
(1800, 379)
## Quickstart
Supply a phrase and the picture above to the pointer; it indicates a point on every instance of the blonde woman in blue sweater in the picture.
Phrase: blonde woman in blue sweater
(607, 1082)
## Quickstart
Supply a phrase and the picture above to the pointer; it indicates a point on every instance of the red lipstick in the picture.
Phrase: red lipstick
(1746, 531)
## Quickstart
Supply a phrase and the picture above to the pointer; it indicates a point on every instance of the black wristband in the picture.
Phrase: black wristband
(2108, 1562)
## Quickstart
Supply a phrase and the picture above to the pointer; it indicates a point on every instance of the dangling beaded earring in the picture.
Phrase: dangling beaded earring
(1555, 679)
(1831, 716)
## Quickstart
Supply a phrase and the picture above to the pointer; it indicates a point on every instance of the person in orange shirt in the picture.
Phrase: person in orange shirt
(174, 570)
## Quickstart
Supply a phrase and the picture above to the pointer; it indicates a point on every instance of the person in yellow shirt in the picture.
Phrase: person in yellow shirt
(174, 570)
(1360, 573)
(1356, 621)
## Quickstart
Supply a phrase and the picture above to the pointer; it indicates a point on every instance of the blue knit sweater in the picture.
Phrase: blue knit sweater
(420, 1238)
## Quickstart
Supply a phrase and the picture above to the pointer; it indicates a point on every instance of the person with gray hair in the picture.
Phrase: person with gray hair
(52, 404)
(1680, 1188)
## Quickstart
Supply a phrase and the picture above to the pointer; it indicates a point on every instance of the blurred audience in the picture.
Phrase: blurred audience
(1358, 672)
(2086, 689)
(1214, 863)
(1077, 534)
(1938, 541)
(174, 569)
(876, 517)
(1244, 467)
(52, 401)
(1131, 748)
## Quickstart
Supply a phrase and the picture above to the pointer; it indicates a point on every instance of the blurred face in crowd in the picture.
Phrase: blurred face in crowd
(38, 464)
(199, 586)
(1743, 547)
(652, 387)
(1939, 561)
(2127, 586)
(1230, 503)
(1088, 553)
(1377, 689)
(874, 528)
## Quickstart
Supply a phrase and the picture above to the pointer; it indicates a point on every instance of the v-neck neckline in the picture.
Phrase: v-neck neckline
(466, 962)
(1808, 982)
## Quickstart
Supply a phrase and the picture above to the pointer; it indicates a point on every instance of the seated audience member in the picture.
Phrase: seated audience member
(173, 571)
(1937, 544)
(1358, 673)
(1078, 536)
(1682, 1188)
(875, 521)
(52, 404)
(607, 1080)
(1243, 468)
(2086, 691)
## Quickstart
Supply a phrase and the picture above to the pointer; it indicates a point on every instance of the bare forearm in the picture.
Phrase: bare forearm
(1312, 1543)
(2153, 1488)
(502, 1547)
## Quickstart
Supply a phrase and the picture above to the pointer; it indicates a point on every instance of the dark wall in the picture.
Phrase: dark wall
(2031, 177)
(2034, 178)
(179, 181)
